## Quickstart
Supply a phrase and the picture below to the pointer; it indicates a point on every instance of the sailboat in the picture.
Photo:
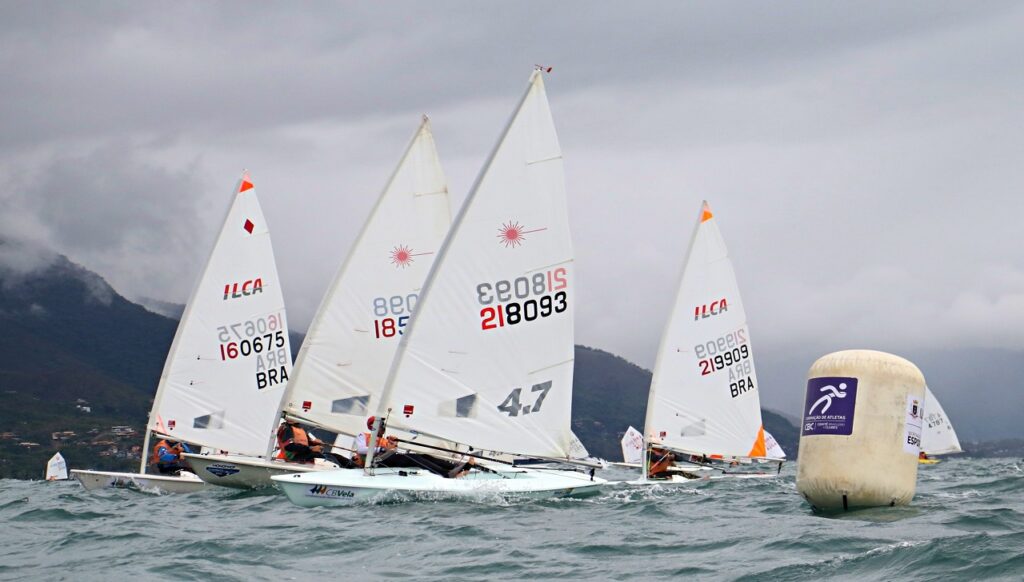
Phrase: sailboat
(230, 359)
(487, 360)
(632, 444)
(352, 339)
(773, 450)
(938, 437)
(703, 404)
(56, 468)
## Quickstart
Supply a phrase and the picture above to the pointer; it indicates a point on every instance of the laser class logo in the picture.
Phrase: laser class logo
(833, 392)
(511, 234)
(402, 256)
(829, 405)
(243, 289)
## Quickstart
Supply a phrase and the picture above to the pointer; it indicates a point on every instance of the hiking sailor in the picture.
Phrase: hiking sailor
(361, 445)
(387, 455)
(167, 456)
(296, 444)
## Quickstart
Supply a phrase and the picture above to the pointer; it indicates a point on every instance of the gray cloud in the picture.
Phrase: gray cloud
(113, 210)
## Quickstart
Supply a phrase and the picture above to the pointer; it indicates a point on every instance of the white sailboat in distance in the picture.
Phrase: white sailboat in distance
(56, 468)
(938, 437)
(352, 339)
(487, 361)
(703, 405)
(230, 360)
(773, 450)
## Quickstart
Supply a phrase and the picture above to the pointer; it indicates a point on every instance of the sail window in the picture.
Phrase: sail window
(354, 405)
(465, 407)
(209, 421)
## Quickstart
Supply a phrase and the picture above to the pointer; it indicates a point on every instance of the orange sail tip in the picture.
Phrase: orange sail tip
(759, 449)
(246, 184)
(705, 214)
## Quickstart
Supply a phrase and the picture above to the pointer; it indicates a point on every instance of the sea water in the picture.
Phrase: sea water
(966, 522)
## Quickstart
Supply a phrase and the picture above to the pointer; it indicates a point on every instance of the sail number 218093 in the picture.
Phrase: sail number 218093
(523, 298)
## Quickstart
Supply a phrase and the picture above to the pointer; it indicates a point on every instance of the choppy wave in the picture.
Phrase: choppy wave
(966, 521)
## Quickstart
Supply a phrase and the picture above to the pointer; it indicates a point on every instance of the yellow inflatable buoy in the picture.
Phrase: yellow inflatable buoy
(861, 431)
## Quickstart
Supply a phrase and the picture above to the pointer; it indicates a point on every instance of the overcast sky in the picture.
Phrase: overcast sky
(863, 159)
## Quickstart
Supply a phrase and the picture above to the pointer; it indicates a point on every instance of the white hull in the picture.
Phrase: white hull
(184, 483)
(346, 486)
(247, 472)
(701, 475)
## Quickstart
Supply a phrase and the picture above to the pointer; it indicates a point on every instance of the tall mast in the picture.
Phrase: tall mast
(432, 275)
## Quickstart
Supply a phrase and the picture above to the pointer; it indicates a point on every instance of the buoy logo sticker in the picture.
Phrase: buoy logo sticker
(833, 392)
(829, 406)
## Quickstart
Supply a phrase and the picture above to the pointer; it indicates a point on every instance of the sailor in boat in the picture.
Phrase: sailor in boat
(361, 445)
(387, 455)
(659, 464)
(167, 457)
(297, 445)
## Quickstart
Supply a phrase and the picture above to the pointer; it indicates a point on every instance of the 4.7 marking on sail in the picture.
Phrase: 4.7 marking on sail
(513, 407)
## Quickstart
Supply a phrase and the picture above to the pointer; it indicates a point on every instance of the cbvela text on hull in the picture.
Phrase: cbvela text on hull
(183, 483)
(246, 472)
(345, 486)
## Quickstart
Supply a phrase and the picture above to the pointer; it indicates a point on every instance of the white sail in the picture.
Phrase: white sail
(56, 468)
(938, 438)
(632, 446)
(225, 374)
(773, 450)
(577, 450)
(346, 355)
(704, 392)
(488, 361)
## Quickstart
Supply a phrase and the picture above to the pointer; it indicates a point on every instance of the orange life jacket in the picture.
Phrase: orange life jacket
(360, 460)
(299, 436)
(661, 460)
(154, 458)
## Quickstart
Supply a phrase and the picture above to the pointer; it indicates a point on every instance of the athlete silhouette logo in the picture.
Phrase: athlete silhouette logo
(833, 392)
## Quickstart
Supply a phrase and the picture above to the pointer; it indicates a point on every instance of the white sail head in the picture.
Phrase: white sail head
(346, 355)
(938, 437)
(773, 450)
(56, 468)
(489, 359)
(704, 391)
(230, 360)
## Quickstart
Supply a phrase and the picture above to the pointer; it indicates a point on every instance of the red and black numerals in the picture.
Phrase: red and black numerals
(392, 314)
(523, 299)
(254, 336)
(263, 338)
(729, 352)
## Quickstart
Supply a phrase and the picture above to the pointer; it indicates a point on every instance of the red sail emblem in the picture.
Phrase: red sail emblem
(512, 234)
